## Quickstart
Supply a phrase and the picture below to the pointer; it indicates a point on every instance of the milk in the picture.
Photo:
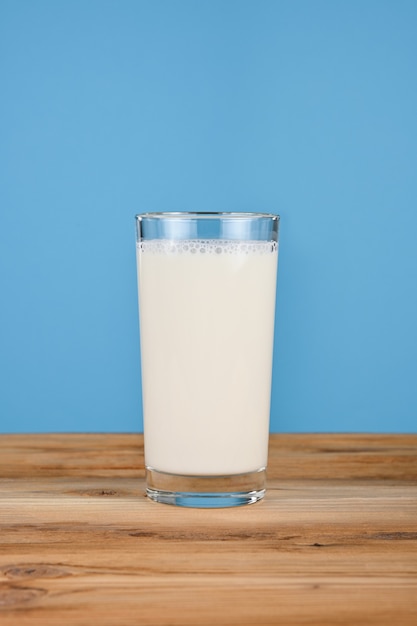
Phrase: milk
(206, 325)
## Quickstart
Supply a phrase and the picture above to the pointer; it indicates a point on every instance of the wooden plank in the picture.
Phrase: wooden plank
(291, 456)
(334, 541)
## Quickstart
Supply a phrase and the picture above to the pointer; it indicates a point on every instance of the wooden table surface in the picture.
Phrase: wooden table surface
(333, 542)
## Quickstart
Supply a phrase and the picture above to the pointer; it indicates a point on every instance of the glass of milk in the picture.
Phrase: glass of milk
(206, 285)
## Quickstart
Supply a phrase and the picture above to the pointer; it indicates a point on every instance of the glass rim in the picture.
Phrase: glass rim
(205, 215)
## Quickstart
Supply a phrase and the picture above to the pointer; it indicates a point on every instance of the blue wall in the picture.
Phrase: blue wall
(303, 107)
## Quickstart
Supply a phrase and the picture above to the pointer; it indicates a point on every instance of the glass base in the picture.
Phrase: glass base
(208, 492)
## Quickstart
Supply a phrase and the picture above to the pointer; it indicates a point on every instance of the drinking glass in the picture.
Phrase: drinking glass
(206, 284)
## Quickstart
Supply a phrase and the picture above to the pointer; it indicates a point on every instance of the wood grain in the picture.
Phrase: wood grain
(334, 541)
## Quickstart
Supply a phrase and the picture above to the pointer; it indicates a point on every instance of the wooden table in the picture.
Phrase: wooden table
(334, 541)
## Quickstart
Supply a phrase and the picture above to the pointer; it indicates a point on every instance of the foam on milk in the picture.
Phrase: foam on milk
(207, 246)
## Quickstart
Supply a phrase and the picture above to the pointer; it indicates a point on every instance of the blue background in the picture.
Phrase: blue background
(306, 108)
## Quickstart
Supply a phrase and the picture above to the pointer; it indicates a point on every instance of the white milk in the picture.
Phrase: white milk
(206, 321)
